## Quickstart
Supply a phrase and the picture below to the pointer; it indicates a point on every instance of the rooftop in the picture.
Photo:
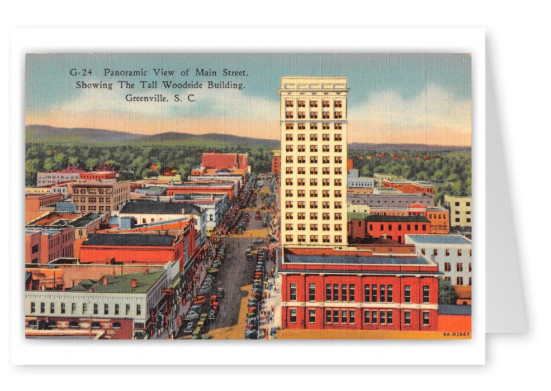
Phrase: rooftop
(396, 219)
(154, 207)
(86, 219)
(454, 309)
(154, 240)
(356, 260)
(439, 239)
(120, 283)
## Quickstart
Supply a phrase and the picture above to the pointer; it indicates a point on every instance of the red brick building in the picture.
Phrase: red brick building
(337, 291)
(43, 244)
(410, 187)
(393, 227)
(98, 175)
(225, 160)
(439, 217)
(134, 248)
(37, 205)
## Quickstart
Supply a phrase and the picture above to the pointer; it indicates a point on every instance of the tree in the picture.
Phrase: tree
(446, 293)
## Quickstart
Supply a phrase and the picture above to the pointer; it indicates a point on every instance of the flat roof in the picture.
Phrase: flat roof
(154, 207)
(396, 219)
(120, 283)
(86, 219)
(124, 239)
(203, 184)
(454, 309)
(356, 260)
(439, 239)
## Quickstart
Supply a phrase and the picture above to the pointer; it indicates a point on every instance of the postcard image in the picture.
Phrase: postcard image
(248, 196)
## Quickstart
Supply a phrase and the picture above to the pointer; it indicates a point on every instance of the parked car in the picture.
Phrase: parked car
(251, 334)
(212, 315)
(220, 292)
(189, 328)
(191, 316)
(196, 308)
(200, 300)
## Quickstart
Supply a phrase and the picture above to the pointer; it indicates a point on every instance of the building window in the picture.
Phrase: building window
(389, 293)
(138, 309)
(335, 316)
(373, 317)
(312, 292)
(293, 292)
(293, 315)
(288, 238)
(328, 292)
(95, 309)
(366, 316)
(426, 294)
(62, 308)
(73, 308)
(426, 318)
(116, 309)
(447, 252)
(313, 136)
(407, 294)
(383, 317)
(434, 252)
(389, 317)
(407, 317)
(288, 126)
(106, 309)
(127, 309)
(84, 308)
(344, 316)
(459, 253)
(311, 316)
(374, 293)
(288, 103)
(382, 295)
(33, 307)
(325, 103)
(344, 292)
(335, 292)
(52, 308)
(327, 316)
(470, 267)
(447, 267)
(459, 281)
(314, 216)
(459, 267)
(367, 293)
(301, 103)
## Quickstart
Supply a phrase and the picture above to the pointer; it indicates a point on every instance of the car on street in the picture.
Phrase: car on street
(212, 315)
(189, 328)
(213, 270)
(200, 300)
(251, 334)
(220, 292)
(196, 308)
(191, 316)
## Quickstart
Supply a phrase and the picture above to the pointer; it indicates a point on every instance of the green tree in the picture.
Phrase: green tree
(446, 293)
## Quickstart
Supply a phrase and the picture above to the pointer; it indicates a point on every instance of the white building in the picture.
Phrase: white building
(314, 127)
(356, 181)
(452, 253)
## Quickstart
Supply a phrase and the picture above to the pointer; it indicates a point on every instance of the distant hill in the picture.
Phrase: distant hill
(52, 135)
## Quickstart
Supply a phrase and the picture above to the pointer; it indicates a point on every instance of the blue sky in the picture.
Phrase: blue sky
(392, 97)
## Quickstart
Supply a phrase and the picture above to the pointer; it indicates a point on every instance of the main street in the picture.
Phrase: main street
(236, 273)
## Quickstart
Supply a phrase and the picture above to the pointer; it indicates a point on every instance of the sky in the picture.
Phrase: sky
(393, 98)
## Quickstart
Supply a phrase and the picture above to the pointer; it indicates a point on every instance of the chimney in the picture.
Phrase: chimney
(133, 283)
(104, 280)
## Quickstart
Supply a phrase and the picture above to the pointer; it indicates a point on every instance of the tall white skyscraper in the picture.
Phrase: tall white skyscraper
(313, 120)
